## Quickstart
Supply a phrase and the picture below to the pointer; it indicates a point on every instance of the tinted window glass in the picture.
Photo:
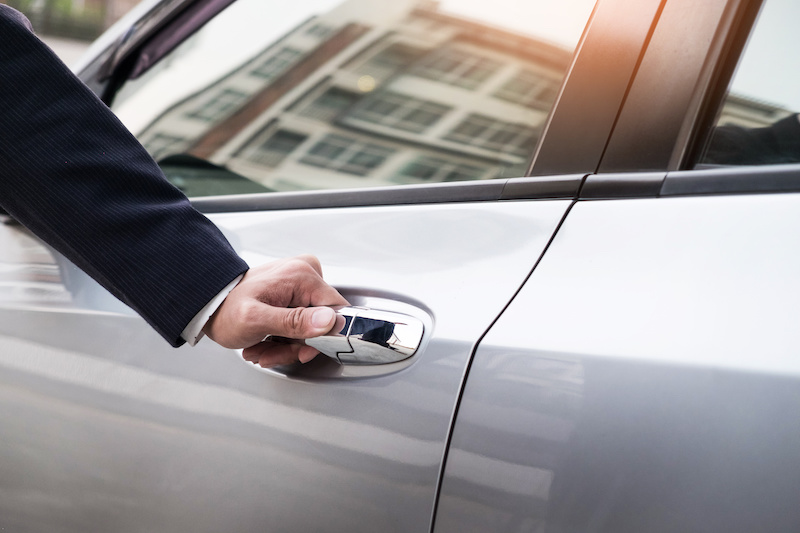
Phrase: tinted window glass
(318, 94)
(758, 123)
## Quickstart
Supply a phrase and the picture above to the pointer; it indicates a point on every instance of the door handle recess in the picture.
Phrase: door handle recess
(365, 336)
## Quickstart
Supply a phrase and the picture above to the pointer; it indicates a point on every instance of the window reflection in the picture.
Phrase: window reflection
(759, 122)
(457, 67)
(346, 154)
(352, 96)
(276, 64)
(34, 278)
(219, 105)
(274, 150)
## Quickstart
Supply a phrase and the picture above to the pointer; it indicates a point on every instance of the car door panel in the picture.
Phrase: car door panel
(643, 378)
(113, 427)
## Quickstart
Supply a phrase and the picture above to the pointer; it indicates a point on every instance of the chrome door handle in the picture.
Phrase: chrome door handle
(365, 336)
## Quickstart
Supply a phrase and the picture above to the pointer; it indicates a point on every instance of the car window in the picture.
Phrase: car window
(322, 94)
(758, 122)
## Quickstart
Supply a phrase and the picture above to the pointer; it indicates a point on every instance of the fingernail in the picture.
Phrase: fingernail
(322, 317)
(306, 354)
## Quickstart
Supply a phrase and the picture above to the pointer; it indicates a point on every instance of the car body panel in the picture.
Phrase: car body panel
(103, 423)
(640, 382)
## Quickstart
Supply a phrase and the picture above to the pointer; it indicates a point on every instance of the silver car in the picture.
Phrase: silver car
(590, 210)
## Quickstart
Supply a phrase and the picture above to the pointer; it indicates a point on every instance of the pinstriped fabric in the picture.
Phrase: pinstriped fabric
(74, 175)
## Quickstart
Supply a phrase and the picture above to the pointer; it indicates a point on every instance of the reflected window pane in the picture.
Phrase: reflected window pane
(329, 105)
(422, 169)
(219, 106)
(496, 135)
(529, 89)
(274, 65)
(394, 58)
(346, 154)
(319, 30)
(433, 169)
(397, 111)
(276, 148)
(328, 149)
(160, 145)
(470, 129)
(457, 67)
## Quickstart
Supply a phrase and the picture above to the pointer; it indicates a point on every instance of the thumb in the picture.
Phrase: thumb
(300, 322)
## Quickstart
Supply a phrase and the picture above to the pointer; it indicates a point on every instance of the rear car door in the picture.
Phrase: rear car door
(645, 377)
(392, 142)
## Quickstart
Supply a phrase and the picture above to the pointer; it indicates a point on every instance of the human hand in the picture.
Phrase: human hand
(286, 298)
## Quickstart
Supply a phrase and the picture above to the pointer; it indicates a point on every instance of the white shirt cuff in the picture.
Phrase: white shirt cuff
(193, 332)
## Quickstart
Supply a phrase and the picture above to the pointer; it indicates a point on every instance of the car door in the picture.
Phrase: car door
(392, 142)
(642, 378)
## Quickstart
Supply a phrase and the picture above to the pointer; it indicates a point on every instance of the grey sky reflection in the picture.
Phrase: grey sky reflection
(770, 68)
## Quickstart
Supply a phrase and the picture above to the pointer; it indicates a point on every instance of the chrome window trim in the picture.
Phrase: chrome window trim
(553, 187)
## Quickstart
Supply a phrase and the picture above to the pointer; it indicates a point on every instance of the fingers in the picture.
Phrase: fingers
(287, 298)
(298, 322)
(294, 282)
(269, 354)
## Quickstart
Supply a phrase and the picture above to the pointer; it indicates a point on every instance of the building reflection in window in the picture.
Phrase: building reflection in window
(350, 97)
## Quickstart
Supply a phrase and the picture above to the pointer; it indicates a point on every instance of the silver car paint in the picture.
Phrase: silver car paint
(646, 378)
(106, 428)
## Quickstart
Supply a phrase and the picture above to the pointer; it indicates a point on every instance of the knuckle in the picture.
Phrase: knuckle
(249, 313)
(302, 265)
(311, 260)
(293, 320)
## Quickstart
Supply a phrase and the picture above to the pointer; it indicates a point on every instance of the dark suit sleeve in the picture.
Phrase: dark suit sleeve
(75, 176)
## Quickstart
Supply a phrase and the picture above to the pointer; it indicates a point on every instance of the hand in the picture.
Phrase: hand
(286, 298)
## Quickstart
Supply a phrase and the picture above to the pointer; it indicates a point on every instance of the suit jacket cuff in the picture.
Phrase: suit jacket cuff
(194, 331)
